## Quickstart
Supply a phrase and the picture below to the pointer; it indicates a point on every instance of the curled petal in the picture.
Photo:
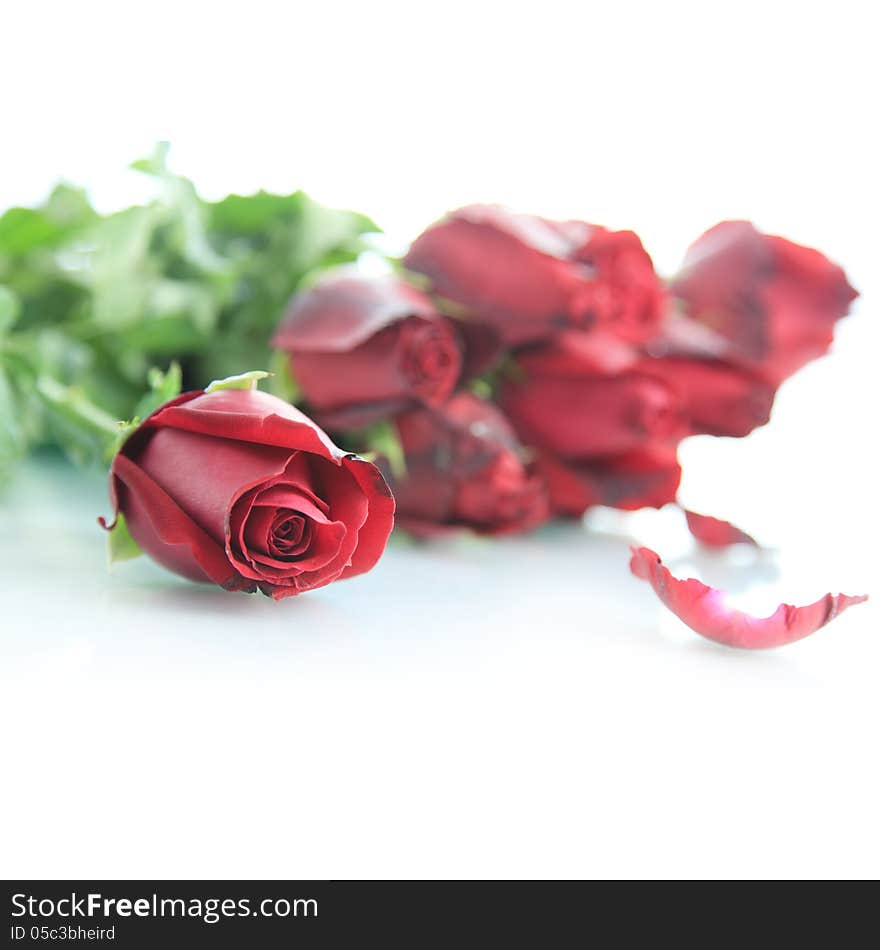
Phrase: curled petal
(246, 416)
(704, 609)
(715, 533)
(345, 309)
(166, 532)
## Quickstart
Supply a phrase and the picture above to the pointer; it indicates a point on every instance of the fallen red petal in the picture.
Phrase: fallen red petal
(715, 533)
(704, 610)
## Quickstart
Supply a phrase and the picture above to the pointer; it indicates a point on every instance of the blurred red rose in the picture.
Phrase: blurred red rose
(644, 478)
(530, 278)
(559, 400)
(774, 302)
(717, 398)
(363, 348)
(464, 470)
(238, 488)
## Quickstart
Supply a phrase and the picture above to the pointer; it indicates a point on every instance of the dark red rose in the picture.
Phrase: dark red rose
(529, 277)
(364, 348)
(773, 301)
(558, 402)
(464, 470)
(238, 488)
(705, 611)
(625, 294)
(718, 398)
(645, 478)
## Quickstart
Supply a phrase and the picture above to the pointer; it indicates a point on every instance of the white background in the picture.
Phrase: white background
(468, 709)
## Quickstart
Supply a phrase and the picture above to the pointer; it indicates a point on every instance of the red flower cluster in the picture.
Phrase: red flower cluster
(518, 369)
(534, 368)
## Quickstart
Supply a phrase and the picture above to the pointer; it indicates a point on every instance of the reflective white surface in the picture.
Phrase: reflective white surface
(513, 709)
(524, 708)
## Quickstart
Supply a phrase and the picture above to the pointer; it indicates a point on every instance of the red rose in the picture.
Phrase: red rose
(718, 399)
(240, 489)
(464, 470)
(529, 277)
(773, 301)
(645, 478)
(362, 349)
(561, 402)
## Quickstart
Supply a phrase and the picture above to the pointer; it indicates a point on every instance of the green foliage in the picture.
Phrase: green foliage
(381, 441)
(90, 303)
(163, 387)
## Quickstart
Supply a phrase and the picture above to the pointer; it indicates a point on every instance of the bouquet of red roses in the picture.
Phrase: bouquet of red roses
(508, 370)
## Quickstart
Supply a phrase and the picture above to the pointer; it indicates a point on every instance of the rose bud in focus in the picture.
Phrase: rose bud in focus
(364, 348)
(529, 277)
(773, 301)
(464, 470)
(645, 478)
(236, 487)
(559, 401)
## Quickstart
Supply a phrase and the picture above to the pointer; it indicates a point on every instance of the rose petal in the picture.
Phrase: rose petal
(344, 310)
(509, 270)
(715, 533)
(167, 533)
(415, 360)
(246, 416)
(704, 610)
(230, 468)
(373, 534)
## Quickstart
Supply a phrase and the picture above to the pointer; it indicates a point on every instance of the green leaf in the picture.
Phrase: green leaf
(25, 230)
(383, 441)
(9, 309)
(247, 380)
(163, 388)
(121, 546)
(11, 435)
(83, 430)
(281, 382)
(189, 214)
(155, 164)
(253, 214)
(90, 302)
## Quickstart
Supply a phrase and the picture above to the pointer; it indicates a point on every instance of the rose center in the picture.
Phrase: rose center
(430, 359)
(289, 534)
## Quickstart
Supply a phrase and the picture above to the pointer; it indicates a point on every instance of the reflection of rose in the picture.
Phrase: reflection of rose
(240, 489)
(362, 349)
